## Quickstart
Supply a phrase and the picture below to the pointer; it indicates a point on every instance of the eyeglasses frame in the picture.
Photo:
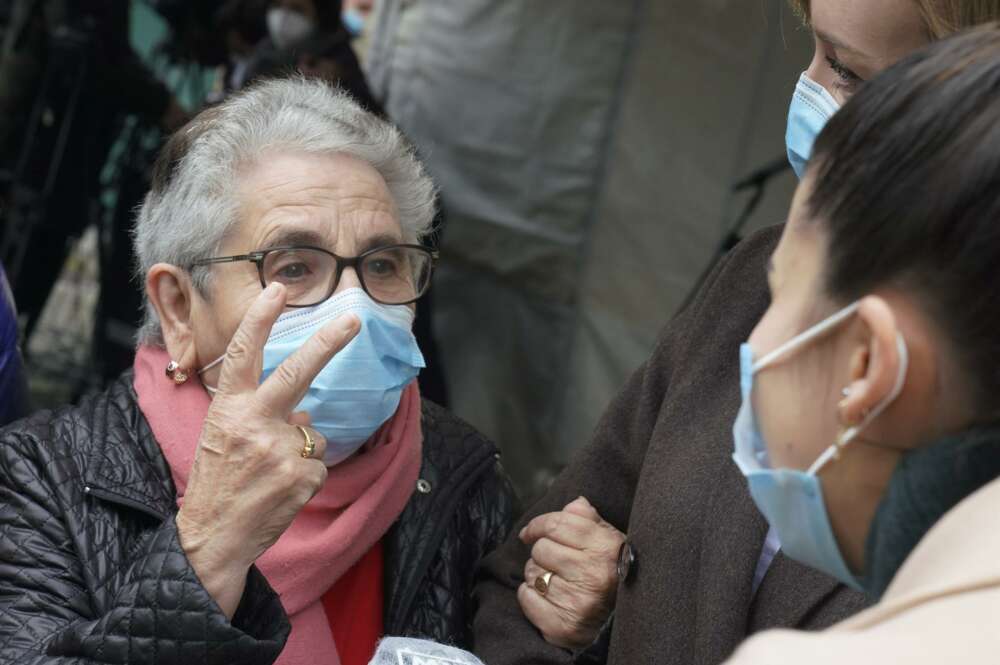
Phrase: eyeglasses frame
(343, 262)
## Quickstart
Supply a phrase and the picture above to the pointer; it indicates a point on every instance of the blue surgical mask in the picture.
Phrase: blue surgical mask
(812, 106)
(791, 500)
(360, 388)
(354, 21)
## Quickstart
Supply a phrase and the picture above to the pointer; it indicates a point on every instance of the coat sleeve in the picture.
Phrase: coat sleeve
(153, 607)
(606, 472)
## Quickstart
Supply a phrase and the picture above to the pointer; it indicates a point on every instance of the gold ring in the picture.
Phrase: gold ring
(542, 583)
(310, 446)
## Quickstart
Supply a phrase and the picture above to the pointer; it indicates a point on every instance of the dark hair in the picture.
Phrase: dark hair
(907, 188)
(245, 17)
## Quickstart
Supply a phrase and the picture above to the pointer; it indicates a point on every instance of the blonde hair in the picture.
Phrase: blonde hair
(941, 17)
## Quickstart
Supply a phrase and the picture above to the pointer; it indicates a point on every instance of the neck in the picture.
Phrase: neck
(925, 485)
(853, 487)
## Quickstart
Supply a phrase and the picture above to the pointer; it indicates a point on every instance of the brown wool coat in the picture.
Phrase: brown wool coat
(660, 469)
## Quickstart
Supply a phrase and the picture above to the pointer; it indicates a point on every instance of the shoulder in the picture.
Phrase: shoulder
(958, 628)
(63, 441)
(462, 461)
(742, 273)
(449, 440)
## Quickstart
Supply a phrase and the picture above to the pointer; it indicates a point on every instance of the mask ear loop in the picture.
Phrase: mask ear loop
(852, 432)
(807, 336)
(210, 389)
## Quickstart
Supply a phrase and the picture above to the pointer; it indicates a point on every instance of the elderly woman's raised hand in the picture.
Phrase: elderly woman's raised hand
(580, 550)
(249, 478)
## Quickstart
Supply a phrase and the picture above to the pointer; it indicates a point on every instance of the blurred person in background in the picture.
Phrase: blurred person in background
(648, 547)
(870, 427)
(312, 41)
(67, 66)
(356, 14)
(13, 390)
(243, 25)
(267, 485)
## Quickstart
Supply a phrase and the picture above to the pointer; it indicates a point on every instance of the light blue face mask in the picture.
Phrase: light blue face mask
(792, 501)
(354, 21)
(812, 107)
(359, 390)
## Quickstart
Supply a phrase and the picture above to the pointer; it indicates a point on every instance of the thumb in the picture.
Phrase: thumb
(583, 508)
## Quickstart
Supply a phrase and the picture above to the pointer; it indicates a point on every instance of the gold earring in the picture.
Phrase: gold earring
(174, 371)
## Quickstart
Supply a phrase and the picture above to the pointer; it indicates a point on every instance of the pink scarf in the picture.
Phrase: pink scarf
(361, 499)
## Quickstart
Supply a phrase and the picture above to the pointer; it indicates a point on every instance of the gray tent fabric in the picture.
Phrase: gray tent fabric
(585, 151)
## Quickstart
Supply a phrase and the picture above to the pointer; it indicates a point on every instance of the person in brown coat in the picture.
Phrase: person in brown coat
(698, 571)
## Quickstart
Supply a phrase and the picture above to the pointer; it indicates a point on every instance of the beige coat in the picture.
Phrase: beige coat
(942, 608)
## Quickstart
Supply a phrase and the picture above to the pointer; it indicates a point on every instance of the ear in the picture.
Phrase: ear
(874, 364)
(170, 291)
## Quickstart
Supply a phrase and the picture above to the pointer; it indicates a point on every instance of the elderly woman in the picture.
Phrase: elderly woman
(267, 486)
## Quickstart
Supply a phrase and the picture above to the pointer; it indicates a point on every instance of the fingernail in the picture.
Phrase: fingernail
(272, 291)
(520, 535)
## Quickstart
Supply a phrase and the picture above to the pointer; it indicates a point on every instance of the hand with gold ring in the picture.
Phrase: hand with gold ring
(571, 579)
(258, 462)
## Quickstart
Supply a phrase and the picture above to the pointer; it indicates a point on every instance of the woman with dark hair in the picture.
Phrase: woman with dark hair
(870, 428)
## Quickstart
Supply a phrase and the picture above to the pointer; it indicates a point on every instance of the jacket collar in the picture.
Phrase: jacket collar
(125, 464)
(958, 554)
(926, 484)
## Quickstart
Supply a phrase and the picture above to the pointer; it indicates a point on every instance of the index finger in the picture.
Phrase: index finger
(242, 365)
(562, 527)
(287, 385)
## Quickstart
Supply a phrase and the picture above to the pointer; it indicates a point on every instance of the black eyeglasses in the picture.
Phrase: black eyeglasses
(391, 275)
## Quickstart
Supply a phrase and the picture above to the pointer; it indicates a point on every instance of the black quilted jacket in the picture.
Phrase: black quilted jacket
(91, 570)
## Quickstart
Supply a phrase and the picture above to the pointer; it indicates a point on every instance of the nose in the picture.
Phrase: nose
(348, 280)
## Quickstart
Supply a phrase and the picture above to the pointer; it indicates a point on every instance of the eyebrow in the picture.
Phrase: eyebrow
(295, 237)
(378, 240)
(838, 44)
(300, 238)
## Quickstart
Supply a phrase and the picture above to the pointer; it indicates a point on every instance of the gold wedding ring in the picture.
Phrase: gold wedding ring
(542, 583)
(310, 446)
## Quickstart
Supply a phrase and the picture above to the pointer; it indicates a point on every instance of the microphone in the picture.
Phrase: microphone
(408, 651)
(763, 174)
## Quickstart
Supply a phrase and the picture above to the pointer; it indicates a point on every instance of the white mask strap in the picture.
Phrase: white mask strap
(852, 432)
(807, 336)
(211, 364)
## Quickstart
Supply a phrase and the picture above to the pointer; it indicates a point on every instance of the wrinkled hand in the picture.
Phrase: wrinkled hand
(581, 551)
(249, 479)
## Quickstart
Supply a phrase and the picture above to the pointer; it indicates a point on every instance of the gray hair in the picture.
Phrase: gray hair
(190, 207)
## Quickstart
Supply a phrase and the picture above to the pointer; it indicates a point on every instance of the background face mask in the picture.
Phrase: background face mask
(791, 500)
(288, 28)
(354, 21)
(812, 107)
